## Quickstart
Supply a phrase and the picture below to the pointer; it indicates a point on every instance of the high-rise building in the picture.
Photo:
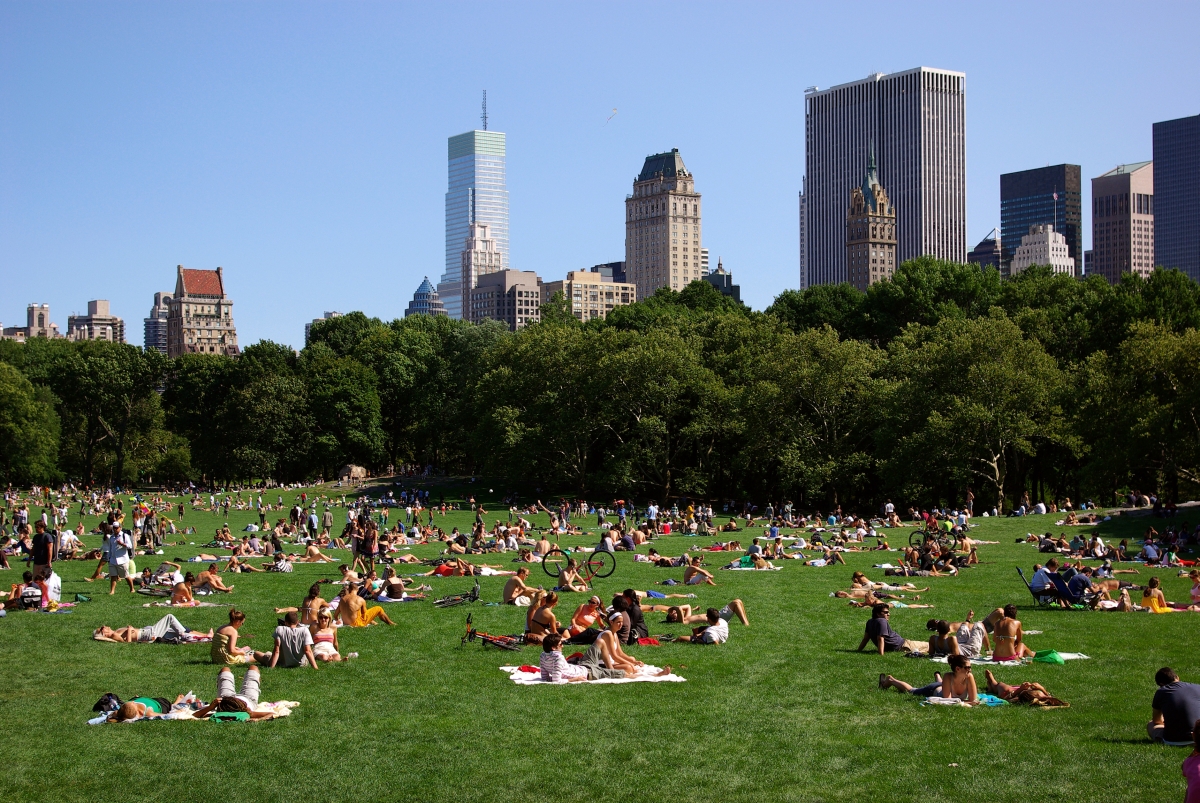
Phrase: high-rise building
(425, 301)
(803, 239)
(98, 324)
(1123, 221)
(611, 271)
(662, 226)
(480, 255)
(987, 253)
(513, 297)
(1044, 195)
(308, 326)
(590, 294)
(1177, 195)
(704, 269)
(1043, 246)
(477, 193)
(1089, 257)
(200, 319)
(154, 326)
(722, 280)
(870, 232)
(917, 121)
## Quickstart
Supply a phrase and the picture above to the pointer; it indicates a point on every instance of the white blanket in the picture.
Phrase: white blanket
(1066, 656)
(535, 678)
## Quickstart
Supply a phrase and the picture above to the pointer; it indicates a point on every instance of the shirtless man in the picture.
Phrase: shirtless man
(1009, 636)
(515, 590)
(569, 579)
(543, 546)
(693, 575)
(209, 580)
(353, 611)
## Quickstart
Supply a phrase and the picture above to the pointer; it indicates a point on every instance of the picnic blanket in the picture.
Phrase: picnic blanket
(185, 605)
(989, 700)
(752, 569)
(1066, 656)
(521, 678)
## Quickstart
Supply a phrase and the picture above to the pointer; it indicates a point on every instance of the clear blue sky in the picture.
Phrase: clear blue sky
(302, 146)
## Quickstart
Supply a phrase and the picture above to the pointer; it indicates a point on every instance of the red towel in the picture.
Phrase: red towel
(648, 642)
(528, 668)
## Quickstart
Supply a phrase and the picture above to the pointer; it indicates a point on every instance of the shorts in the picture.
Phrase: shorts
(118, 571)
(656, 594)
(521, 602)
(696, 579)
(725, 613)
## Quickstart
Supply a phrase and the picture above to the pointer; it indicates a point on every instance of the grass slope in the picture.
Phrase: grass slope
(786, 710)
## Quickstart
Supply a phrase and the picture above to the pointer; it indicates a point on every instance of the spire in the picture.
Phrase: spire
(871, 179)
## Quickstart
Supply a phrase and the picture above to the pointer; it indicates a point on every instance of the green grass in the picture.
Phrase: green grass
(785, 710)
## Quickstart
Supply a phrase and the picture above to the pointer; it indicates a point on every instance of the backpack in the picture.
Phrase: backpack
(108, 703)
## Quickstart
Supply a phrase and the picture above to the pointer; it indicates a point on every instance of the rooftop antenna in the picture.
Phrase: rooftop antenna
(484, 115)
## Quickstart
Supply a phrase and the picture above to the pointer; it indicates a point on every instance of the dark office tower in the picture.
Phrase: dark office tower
(987, 253)
(1176, 200)
(917, 120)
(1028, 199)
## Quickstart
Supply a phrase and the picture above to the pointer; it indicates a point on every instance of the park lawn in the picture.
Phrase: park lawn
(787, 710)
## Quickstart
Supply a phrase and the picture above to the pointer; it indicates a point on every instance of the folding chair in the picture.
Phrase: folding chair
(1044, 598)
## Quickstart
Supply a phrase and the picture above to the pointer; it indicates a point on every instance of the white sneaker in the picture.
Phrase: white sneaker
(352, 655)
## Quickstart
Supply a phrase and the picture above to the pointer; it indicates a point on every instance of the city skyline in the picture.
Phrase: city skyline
(317, 180)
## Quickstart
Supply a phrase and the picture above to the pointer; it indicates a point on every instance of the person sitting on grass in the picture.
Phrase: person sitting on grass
(960, 684)
(208, 581)
(225, 649)
(580, 631)
(569, 579)
(237, 565)
(313, 554)
(310, 606)
(515, 590)
(353, 611)
(554, 667)
(165, 628)
(325, 640)
(541, 618)
(293, 644)
(880, 635)
(1154, 600)
(1009, 637)
(1175, 709)
(694, 575)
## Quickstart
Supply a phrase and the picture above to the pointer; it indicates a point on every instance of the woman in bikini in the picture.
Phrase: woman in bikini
(325, 640)
(181, 593)
(1028, 693)
(1009, 637)
(309, 607)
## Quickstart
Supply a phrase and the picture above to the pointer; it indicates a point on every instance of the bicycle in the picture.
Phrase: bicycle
(510, 643)
(593, 564)
(451, 600)
(918, 538)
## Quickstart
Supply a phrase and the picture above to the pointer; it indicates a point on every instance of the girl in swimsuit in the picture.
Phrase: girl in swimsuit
(325, 640)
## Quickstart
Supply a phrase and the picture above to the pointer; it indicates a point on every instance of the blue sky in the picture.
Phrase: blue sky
(302, 146)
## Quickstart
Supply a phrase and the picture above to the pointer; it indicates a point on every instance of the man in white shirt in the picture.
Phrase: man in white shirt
(120, 547)
(1041, 582)
(715, 632)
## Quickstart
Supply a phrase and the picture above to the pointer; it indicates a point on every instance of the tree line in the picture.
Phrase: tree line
(939, 379)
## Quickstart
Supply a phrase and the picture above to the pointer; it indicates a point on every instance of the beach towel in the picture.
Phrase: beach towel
(184, 711)
(1066, 656)
(988, 700)
(196, 605)
(535, 678)
(752, 569)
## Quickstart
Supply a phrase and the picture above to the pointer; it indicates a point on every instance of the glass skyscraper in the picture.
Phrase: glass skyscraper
(1177, 195)
(1036, 197)
(477, 193)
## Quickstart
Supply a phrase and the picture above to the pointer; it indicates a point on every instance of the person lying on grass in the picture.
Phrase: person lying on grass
(682, 614)
(870, 600)
(1010, 636)
(352, 609)
(1028, 693)
(959, 685)
(715, 630)
(167, 627)
(860, 580)
(880, 635)
(144, 708)
(243, 702)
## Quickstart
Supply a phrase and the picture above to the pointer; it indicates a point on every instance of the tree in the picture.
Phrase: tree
(963, 398)
(29, 429)
(839, 306)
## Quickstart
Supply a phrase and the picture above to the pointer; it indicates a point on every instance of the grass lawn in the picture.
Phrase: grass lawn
(786, 710)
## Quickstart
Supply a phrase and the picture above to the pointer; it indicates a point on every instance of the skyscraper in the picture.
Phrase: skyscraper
(870, 232)
(1036, 197)
(477, 193)
(662, 226)
(425, 301)
(803, 240)
(1177, 195)
(987, 253)
(1123, 221)
(1042, 246)
(479, 256)
(917, 121)
(154, 327)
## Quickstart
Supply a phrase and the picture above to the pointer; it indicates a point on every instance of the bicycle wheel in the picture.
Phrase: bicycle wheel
(600, 564)
(553, 562)
(916, 538)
